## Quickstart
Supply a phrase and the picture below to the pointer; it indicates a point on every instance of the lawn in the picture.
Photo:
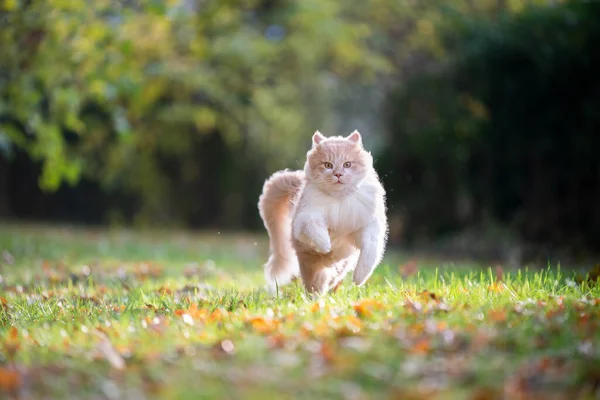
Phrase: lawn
(99, 314)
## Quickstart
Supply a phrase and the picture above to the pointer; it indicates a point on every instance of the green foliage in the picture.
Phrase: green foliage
(507, 130)
(133, 95)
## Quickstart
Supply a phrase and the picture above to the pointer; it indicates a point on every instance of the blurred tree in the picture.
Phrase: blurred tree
(185, 105)
(504, 131)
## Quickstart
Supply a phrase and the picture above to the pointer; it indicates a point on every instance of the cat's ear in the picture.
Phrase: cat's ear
(355, 138)
(317, 138)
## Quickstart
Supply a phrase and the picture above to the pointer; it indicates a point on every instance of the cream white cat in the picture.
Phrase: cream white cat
(326, 220)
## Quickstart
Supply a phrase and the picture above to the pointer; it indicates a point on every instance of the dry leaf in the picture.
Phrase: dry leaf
(107, 350)
(10, 380)
(12, 344)
(263, 325)
(422, 346)
(497, 315)
(365, 307)
(496, 287)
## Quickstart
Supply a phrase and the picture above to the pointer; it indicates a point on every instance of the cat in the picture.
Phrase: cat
(327, 219)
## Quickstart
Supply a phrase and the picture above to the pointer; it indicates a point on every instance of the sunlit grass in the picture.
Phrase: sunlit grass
(101, 314)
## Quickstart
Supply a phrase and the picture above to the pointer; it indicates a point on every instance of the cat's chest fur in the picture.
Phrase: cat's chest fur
(347, 214)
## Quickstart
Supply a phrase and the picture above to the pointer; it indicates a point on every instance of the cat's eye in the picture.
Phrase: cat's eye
(328, 165)
(347, 164)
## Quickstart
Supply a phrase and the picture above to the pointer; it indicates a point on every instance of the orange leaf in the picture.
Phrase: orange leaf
(318, 306)
(497, 315)
(14, 334)
(366, 307)
(164, 290)
(262, 325)
(10, 380)
(349, 325)
(218, 315)
(276, 341)
(442, 325)
(427, 295)
(194, 312)
(496, 287)
(307, 329)
(422, 346)
(12, 344)
(322, 328)
(327, 352)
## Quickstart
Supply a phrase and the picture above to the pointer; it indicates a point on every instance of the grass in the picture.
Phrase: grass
(121, 315)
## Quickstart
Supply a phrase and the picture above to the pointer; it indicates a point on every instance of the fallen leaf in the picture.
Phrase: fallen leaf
(13, 333)
(276, 341)
(427, 296)
(107, 350)
(327, 352)
(10, 380)
(263, 325)
(421, 346)
(365, 307)
(12, 344)
(318, 306)
(497, 315)
(496, 287)
(164, 290)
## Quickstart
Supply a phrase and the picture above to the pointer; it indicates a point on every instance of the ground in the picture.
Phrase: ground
(100, 314)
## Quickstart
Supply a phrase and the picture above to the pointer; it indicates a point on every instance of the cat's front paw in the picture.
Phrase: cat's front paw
(361, 274)
(322, 244)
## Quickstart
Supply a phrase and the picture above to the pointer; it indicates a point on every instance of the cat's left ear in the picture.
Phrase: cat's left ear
(317, 138)
(355, 138)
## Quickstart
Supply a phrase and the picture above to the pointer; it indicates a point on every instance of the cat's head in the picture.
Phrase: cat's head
(337, 164)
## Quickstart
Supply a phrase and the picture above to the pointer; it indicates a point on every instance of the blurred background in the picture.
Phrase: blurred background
(483, 115)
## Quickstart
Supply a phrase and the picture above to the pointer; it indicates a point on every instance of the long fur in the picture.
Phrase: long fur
(275, 206)
(328, 219)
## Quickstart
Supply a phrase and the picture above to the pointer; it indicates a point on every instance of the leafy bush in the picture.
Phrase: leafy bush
(184, 106)
(506, 132)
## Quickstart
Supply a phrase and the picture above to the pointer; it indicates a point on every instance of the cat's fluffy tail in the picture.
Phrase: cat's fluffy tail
(275, 206)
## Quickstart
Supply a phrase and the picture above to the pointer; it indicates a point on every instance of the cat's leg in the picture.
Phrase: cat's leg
(316, 281)
(341, 268)
(316, 277)
(311, 231)
(371, 242)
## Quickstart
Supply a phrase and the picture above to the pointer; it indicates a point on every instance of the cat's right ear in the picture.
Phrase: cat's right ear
(317, 138)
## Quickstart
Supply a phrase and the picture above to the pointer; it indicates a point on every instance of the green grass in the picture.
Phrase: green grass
(111, 314)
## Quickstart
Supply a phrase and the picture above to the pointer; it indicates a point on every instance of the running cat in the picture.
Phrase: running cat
(326, 220)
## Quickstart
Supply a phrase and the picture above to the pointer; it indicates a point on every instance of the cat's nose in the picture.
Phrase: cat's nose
(338, 174)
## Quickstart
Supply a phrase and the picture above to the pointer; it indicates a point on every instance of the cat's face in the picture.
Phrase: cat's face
(338, 164)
